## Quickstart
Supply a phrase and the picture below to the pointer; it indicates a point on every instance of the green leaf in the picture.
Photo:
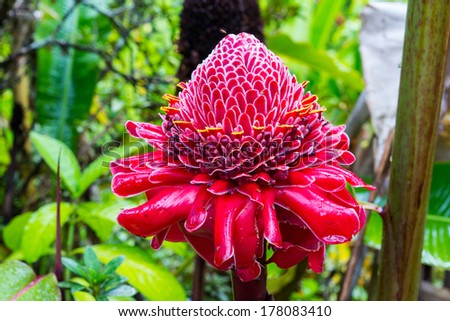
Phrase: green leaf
(112, 265)
(92, 264)
(40, 231)
(295, 54)
(19, 283)
(440, 190)
(12, 234)
(121, 298)
(150, 279)
(75, 267)
(179, 248)
(374, 231)
(83, 296)
(49, 148)
(66, 77)
(44, 289)
(324, 20)
(14, 276)
(80, 281)
(114, 282)
(91, 173)
(278, 278)
(74, 287)
(437, 229)
(123, 290)
(102, 217)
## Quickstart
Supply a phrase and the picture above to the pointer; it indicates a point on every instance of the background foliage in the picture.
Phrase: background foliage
(66, 90)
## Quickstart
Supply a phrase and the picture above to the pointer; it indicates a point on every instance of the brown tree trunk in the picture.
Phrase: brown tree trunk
(421, 85)
(22, 23)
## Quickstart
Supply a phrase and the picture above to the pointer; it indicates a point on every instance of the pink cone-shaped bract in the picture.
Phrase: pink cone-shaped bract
(243, 157)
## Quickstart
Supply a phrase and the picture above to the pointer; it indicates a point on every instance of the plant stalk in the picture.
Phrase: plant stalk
(58, 256)
(421, 85)
(255, 290)
(250, 291)
(198, 285)
(58, 261)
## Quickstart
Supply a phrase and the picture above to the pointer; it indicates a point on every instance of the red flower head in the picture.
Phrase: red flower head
(243, 156)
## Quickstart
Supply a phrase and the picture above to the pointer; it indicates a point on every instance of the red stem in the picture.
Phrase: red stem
(199, 279)
(58, 261)
(250, 291)
(255, 290)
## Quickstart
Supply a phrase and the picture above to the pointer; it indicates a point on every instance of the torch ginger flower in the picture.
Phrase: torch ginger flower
(243, 157)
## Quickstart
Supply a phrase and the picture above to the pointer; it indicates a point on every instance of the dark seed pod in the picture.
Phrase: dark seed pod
(205, 22)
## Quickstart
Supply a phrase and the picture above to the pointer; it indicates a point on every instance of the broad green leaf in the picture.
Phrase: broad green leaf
(83, 296)
(324, 20)
(436, 251)
(374, 231)
(278, 278)
(40, 231)
(49, 148)
(179, 248)
(18, 282)
(91, 173)
(294, 53)
(14, 276)
(150, 279)
(66, 77)
(44, 289)
(80, 281)
(102, 218)
(15, 256)
(440, 190)
(437, 229)
(12, 234)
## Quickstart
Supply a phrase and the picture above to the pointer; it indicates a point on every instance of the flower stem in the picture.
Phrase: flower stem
(250, 291)
(253, 290)
(199, 279)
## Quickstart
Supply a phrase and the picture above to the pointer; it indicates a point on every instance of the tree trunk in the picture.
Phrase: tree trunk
(423, 66)
(19, 81)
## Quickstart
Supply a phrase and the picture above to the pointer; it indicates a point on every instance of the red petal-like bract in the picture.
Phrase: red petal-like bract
(243, 158)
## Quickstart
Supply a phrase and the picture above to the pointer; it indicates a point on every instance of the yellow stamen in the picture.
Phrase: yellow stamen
(169, 109)
(285, 126)
(181, 85)
(309, 100)
(170, 98)
(258, 127)
(321, 109)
